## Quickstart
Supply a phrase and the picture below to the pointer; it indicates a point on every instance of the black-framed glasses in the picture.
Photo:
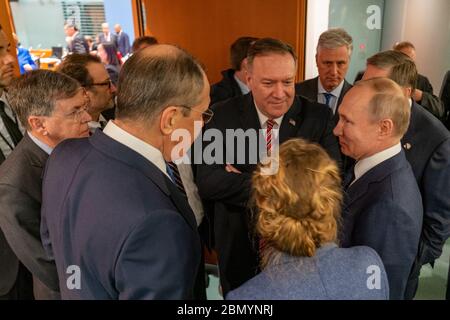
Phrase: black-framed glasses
(206, 115)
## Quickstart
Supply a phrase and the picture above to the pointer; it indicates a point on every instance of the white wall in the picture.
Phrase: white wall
(427, 25)
(316, 23)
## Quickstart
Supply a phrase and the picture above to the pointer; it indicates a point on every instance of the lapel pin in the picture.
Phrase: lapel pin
(292, 122)
(407, 146)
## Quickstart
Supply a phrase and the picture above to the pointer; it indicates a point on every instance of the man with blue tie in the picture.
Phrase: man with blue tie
(382, 207)
(111, 211)
(334, 50)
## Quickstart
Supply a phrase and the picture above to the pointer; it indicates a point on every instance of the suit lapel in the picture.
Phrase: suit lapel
(291, 121)
(181, 203)
(360, 187)
(249, 118)
(122, 153)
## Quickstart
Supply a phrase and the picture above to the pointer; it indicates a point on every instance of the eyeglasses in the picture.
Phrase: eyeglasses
(106, 83)
(76, 114)
(206, 115)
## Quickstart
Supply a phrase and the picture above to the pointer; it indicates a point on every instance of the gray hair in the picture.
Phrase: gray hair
(36, 93)
(151, 81)
(335, 38)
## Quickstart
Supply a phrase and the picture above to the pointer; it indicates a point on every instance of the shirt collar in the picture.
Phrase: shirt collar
(146, 150)
(242, 86)
(336, 92)
(364, 165)
(263, 119)
(47, 149)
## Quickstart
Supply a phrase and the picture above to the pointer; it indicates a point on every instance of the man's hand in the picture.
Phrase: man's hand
(230, 168)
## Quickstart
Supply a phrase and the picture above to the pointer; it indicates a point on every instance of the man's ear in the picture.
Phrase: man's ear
(38, 125)
(168, 120)
(386, 127)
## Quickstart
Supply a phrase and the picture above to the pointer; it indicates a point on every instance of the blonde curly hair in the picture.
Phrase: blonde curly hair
(298, 208)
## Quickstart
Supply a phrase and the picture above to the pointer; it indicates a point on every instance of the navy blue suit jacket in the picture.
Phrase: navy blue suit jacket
(115, 215)
(427, 148)
(123, 43)
(383, 210)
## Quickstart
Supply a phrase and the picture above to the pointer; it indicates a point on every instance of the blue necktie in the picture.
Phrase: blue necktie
(174, 174)
(328, 98)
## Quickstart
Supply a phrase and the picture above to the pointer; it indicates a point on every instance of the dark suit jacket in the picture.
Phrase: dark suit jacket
(383, 210)
(427, 148)
(225, 88)
(102, 39)
(310, 89)
(445, 98)
(123, 43)
(230, 192)
(20, 207)
(78, 45)
(114, 214)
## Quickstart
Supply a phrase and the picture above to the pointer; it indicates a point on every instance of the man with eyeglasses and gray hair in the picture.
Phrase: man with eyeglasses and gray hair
(334, 50)
(90, 72)
(52, 107)
(113, 214)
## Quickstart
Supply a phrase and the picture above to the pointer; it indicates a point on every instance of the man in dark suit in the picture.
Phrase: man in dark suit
(383, 208)
(106, 36)
(426, 144)
(77, 43)
(113, 216)
(52, 107)
(123, 41)
(10, 131)
(271, 107)
(91, 73)
(423, 93)
(234, 80)
(334, 50)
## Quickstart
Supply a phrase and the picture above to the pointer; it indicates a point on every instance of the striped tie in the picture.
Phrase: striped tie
(270, 124)
(175, 175)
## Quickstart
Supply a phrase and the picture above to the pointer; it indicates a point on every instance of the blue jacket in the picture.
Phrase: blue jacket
(383, 210)
(113, 214)
(331, 274)
(24, 57)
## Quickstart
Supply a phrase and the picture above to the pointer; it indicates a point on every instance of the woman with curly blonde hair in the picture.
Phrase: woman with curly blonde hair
(298, 210)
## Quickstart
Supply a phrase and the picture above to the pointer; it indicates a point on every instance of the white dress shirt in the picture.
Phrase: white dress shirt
(47, 149)
(146, 150)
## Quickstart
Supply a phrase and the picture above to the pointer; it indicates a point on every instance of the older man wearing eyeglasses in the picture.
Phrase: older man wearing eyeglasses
(52, 107)
(89, 71)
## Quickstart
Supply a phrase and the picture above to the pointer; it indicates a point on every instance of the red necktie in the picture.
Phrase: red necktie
(270, 124)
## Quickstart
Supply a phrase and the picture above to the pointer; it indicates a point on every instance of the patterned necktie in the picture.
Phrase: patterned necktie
(10, 125)
(174, 174)
(270, 124)
(328, 98)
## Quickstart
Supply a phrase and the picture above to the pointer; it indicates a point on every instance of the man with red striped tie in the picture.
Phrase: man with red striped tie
(272, 107)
